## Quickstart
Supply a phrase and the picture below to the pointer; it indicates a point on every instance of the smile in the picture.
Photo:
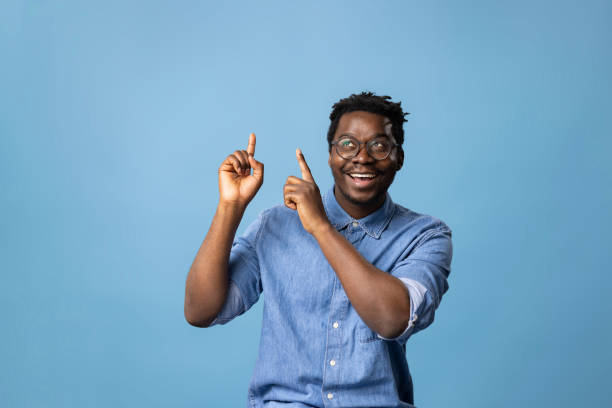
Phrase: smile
(362, 179)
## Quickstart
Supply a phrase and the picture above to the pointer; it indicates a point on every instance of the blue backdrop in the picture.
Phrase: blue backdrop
(115, 117)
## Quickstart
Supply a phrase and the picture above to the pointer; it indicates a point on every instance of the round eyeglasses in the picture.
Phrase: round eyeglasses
(379, 148)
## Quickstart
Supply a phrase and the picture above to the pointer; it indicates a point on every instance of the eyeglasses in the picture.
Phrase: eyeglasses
(379, 148)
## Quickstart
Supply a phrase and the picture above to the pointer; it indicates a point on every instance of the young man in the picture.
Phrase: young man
(348, 276)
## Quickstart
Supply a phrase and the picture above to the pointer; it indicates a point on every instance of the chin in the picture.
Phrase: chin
(364, 200)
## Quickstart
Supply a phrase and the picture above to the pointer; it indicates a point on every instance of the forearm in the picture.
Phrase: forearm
(381, 300)
(207, 281)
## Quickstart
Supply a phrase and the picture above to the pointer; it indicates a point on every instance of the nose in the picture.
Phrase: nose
(363, 156)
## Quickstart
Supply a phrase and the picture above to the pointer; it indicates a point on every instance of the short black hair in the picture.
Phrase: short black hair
(369, 102)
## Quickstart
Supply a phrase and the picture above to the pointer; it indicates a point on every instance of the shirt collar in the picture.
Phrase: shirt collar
(373, 224)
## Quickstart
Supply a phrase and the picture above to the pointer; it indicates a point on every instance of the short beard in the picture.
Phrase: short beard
(351, 200)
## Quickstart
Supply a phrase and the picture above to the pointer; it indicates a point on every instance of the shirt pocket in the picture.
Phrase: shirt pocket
(366, 335)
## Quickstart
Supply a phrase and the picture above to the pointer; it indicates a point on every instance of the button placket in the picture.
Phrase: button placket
(338, 308)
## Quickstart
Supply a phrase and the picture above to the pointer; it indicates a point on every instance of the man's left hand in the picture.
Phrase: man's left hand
(303, 195)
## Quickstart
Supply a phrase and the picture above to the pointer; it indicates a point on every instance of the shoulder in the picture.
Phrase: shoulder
(426, 237)
(278, 212)
(418, 223)
(279, 219)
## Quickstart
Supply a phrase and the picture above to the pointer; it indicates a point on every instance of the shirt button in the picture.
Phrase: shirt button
(355, 224)
(330, 395)
(332, 363)
(335, 325)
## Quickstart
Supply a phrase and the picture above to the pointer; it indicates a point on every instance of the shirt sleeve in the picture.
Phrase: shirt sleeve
(245, 278)
(424, 272)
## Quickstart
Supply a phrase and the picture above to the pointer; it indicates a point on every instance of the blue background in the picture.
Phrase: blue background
(116, 116)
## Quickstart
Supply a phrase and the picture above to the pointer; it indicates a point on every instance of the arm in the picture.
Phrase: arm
(207, 282)
(381, 300)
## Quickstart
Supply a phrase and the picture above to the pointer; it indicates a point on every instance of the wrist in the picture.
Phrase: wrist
(231, 207)
(323, 230)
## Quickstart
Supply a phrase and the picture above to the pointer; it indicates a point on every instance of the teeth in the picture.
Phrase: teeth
(363, 175)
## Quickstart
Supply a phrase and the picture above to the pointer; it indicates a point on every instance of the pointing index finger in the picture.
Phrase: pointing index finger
(251, 147)
(306, 174)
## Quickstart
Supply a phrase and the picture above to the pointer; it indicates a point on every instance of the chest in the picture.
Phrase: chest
(295, 271)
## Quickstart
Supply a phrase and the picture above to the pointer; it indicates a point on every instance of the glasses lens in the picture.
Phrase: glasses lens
(347, 147)
(379, 148)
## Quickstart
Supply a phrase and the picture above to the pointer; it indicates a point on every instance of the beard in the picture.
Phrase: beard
(352, 200)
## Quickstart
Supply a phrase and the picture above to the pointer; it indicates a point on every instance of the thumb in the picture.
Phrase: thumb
(258, 168)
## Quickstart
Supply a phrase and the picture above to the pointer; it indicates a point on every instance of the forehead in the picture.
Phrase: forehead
(363, 124)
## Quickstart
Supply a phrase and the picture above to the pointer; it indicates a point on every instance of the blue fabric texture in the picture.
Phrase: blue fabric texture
(315, 350)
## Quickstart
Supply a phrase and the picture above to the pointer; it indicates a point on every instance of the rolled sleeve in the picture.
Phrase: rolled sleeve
(244, 275)
(417, 295)
(233, 306)
(424, 271)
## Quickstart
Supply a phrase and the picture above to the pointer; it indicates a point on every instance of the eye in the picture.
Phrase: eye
(346, 143)
(380, 145)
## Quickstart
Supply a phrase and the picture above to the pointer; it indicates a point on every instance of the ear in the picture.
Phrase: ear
(400, 159)
(329, 159)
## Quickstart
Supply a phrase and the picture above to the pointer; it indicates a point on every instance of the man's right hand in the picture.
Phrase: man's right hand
(237, 186)
(208, 279)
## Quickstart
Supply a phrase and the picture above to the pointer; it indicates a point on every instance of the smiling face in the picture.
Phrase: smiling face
(360, 196)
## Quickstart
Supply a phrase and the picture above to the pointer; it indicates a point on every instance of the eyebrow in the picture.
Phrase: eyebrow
(373, 137)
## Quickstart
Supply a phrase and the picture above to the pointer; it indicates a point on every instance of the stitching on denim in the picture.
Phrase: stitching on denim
(430, 234)
(329, 321)
(264, 219)
(387, 221)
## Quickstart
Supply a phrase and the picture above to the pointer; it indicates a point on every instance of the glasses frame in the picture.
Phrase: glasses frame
(368, 145)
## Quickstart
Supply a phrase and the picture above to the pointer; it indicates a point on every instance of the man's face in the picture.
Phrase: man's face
(363, 195)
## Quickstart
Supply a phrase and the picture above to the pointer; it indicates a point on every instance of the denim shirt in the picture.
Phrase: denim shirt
(315, 350)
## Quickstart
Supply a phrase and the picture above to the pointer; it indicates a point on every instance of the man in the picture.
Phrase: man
(348, 276)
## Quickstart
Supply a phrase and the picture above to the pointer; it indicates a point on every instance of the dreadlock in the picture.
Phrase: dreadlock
(369, 102)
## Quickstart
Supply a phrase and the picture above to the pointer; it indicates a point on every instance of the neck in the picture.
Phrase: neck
(358, 210)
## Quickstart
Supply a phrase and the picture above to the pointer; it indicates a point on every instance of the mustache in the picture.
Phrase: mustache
(360, 170)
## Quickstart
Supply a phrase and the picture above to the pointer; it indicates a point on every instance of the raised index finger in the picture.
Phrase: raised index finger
(306, 174)
(251, 146)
